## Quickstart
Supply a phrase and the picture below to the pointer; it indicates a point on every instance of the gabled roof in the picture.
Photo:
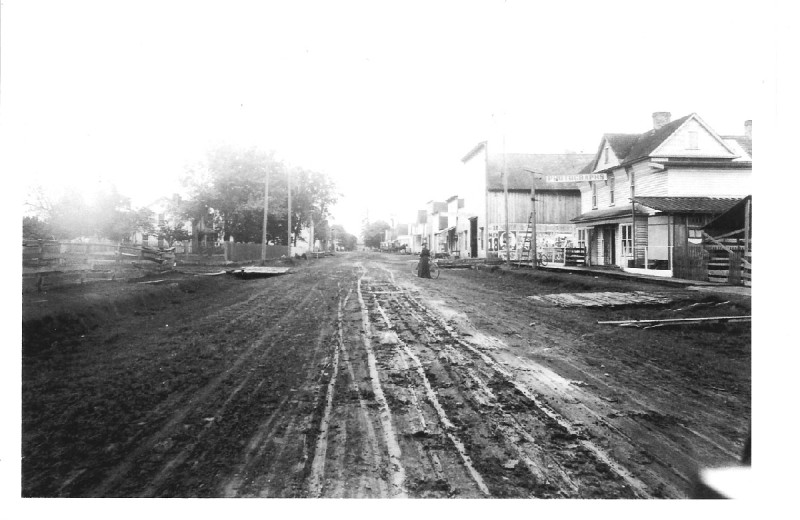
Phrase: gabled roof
(518, 164)
(712, 205)
(742, 140)
(652, 139)
(620, 144)
(632, 147)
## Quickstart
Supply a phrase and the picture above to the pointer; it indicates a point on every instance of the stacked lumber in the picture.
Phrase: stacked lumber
(602, 299)
(720, 267)
(747, 274)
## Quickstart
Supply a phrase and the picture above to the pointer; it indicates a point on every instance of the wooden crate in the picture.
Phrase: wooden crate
(575, 256)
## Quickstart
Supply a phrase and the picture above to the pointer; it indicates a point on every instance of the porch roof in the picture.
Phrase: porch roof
(606, 215)
(711, 205)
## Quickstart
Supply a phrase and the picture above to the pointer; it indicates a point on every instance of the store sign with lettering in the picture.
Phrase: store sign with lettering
(576, 178)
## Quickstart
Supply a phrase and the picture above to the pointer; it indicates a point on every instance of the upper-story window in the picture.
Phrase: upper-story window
(632, 181)
(693, 144)
(594, 195)
(611, 185)
(605, 155)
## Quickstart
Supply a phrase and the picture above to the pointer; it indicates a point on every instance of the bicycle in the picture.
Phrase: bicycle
(541, 258)
(433, 266)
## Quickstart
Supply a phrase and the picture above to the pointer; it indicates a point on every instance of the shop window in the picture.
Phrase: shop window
(627, 239)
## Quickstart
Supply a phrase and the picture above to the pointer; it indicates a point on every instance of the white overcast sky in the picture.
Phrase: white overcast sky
(385, 97)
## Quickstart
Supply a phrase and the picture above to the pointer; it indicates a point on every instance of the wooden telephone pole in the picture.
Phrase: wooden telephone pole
(266, 204)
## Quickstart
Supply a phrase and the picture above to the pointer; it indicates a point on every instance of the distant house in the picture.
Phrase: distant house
(488, 176)
(161, 215)
(436, 222)
(417, 231)
(656, 190)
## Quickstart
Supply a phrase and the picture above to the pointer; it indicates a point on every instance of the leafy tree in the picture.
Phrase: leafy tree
(107, 215)
(346, 240)
(35, 229)
(373, 233)
(229, 186)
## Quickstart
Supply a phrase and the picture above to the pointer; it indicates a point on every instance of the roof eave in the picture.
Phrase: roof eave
(475, 150)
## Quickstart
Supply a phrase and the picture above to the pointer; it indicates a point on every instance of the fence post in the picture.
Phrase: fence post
(118, 262)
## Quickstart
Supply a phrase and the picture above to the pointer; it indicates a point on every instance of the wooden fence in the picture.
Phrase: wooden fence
(727, 262)
(250, 252)
(59, 263)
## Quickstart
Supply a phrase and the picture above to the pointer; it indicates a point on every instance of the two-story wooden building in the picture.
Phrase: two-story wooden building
(660, 188)
(492, 175)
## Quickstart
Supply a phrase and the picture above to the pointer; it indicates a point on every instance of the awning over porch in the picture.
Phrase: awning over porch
(705, 205)
(599, 217)
(445, 230)
(732, 221)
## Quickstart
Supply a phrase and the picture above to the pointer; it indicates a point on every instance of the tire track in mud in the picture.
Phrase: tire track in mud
(510, 428)
(397, 471)
(318, 463)
(195, 402)
(364, 426)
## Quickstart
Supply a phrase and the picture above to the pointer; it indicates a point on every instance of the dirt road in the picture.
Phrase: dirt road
(349, 377)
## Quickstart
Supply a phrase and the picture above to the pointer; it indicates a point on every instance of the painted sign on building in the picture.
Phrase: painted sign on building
(576, 178)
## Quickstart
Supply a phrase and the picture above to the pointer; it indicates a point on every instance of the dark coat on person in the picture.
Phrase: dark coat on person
(424, 269)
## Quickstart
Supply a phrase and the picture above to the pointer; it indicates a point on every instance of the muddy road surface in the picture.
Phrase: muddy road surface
(350, 377)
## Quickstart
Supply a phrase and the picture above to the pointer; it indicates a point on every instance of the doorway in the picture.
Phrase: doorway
(609, 246)
(473, 237)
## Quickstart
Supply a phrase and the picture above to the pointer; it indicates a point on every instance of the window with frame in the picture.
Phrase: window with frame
(582, 238)
(626, 231)
(611, 186)
(693, 142)
(594, 195)
(695, 225)
(633, 184)
(606, 155)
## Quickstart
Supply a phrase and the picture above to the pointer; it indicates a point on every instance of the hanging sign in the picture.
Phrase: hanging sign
(576, 178)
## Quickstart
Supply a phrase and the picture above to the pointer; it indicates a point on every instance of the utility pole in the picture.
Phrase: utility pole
(266, 204)
(289, 212)
(534, 263)
(505, 195)
(533, 217)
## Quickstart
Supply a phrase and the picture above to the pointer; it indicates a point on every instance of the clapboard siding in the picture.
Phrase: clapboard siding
(689, 182)
(640, 239)
(649, 181)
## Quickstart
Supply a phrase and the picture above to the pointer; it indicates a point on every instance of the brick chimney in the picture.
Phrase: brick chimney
(660, 119)
(748, 128)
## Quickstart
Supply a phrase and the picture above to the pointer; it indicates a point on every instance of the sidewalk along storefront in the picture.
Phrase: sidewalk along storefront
(659, 236)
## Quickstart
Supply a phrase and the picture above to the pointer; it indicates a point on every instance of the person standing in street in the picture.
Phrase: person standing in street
(424, 269)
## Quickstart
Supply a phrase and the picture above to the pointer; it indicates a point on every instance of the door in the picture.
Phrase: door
(609, 243)
(473, 237)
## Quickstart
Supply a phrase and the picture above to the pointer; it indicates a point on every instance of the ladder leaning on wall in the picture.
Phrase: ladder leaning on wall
(527, 241)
